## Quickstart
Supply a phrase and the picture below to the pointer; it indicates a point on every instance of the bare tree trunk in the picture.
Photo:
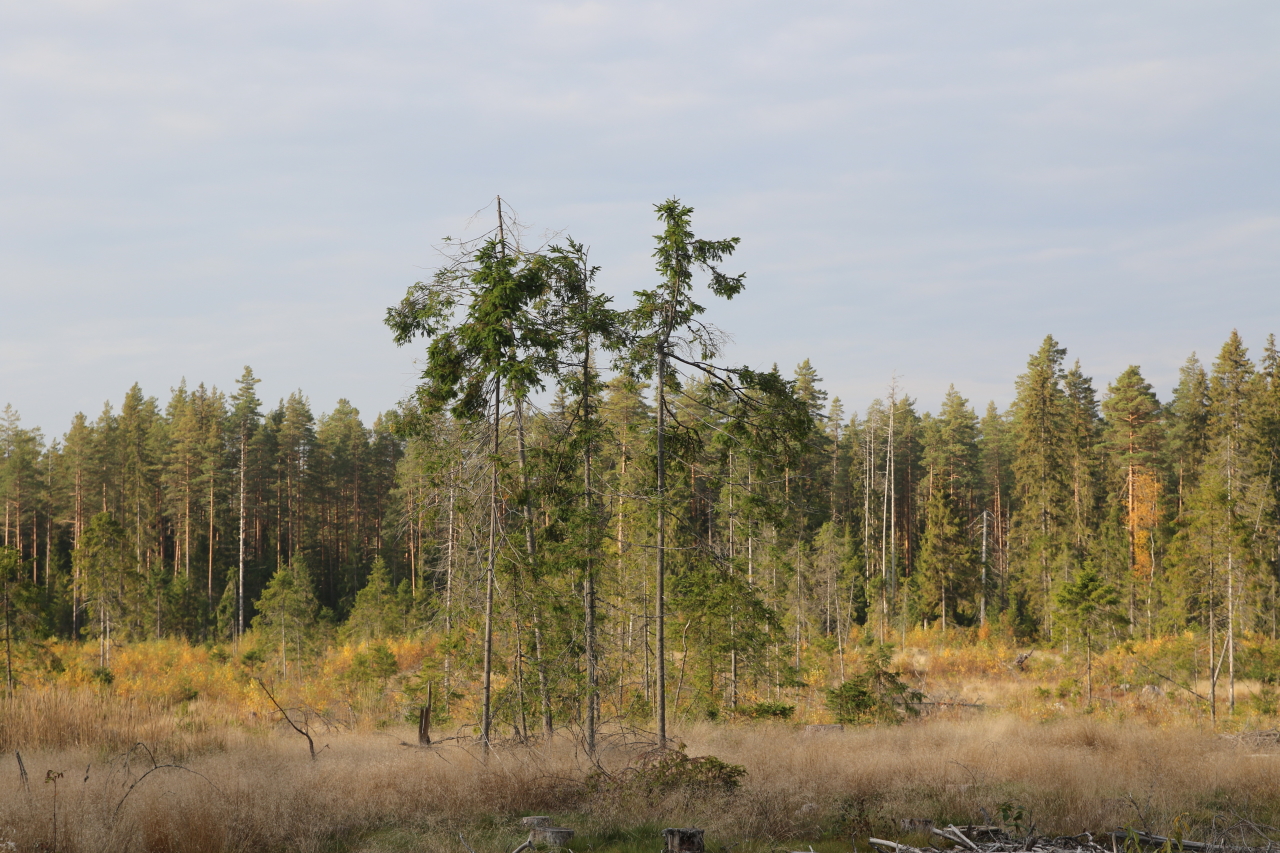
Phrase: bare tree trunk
(211, 515)
(486, 721)
(8, 642)
(1088, 666)
(588, 583)
(531, 548)
(240, 587)
(1231, 633)
(1213, 672)
(660, 580)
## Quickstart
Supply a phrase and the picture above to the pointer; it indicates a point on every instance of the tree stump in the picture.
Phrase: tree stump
(684, 841)
(551, 836)
(535, 820)
(424, 720)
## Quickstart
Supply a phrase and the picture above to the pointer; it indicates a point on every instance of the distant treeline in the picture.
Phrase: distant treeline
(780, 519)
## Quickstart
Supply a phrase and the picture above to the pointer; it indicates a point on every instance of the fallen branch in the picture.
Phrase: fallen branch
(953, 834)
(1170, 680)
(311, 744)
(154, 767)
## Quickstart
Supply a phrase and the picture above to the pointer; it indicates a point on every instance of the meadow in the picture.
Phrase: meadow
(181, 750)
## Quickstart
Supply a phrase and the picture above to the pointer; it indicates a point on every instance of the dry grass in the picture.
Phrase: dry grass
(256, 789)
(242, 780)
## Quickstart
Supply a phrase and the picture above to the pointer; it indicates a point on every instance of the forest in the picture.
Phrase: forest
(582, 513)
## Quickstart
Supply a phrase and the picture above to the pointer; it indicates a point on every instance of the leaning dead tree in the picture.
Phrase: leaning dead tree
(311, 744)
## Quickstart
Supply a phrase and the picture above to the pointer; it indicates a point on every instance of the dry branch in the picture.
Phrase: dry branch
(311, 744)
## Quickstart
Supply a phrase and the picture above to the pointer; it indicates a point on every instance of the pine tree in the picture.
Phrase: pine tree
(77, 455)
(344, 442)
(139, 444)
(246, 416)
(1083, 426)
(996, 452)
(10, 580)
(1266, 443)
(181, 468)
(20, 452)
(298, 445)
(209, 412)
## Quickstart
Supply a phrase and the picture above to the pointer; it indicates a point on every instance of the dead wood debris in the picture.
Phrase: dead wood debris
(1256, 739)
(991, 839)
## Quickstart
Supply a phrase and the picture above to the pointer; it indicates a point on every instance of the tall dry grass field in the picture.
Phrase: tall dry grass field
(148, 776)
(181, 750)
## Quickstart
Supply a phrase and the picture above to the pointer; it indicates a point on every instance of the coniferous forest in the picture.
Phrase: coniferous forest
(585, 499)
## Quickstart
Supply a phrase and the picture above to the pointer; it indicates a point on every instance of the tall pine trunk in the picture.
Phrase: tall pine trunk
(486, 721)
(660, 574)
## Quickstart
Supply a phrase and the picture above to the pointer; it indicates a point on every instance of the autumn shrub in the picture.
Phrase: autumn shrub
(768, 711)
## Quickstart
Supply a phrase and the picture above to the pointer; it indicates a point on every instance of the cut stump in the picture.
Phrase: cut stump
(550, 836)
(684, 841)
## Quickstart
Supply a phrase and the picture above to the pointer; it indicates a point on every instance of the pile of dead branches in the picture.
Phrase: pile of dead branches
(992, 839)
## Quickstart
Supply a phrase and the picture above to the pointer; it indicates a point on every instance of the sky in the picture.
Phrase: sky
(923, 190)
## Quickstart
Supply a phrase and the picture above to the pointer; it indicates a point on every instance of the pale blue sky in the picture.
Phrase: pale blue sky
(926, 187)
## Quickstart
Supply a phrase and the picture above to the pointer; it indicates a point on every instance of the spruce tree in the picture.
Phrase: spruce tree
(1089, 603)
(1134, 437)
(109, 582)
(498, 350)
(1042, 469)
(665, 319)
(952, 448)
(376, 613)
(946, 565)
(1231, 386)
(1187, 417)
(287, 612)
